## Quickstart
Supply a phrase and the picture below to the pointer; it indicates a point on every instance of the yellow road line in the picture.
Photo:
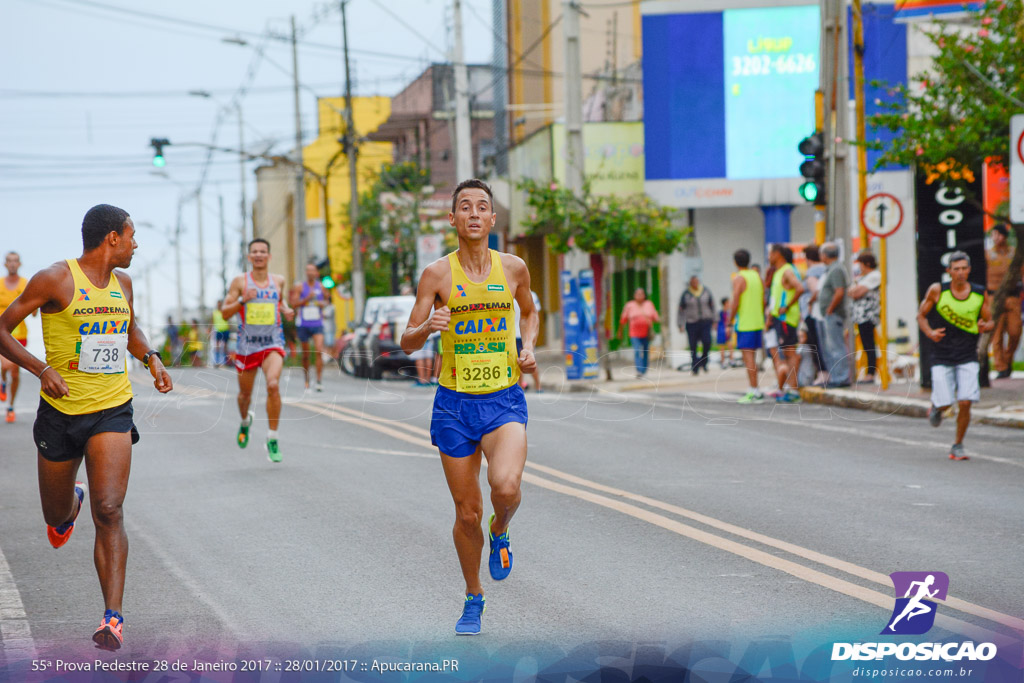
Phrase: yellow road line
(411, 434)
(799, 551)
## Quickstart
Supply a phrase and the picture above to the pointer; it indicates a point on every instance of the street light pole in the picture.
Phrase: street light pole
(358, 277)
(224, 250)
(245, 203)
(202, 261)
(177, 261)
(299, 205)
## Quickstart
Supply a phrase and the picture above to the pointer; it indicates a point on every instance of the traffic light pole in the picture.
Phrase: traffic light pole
(862, 189)
(820, 226)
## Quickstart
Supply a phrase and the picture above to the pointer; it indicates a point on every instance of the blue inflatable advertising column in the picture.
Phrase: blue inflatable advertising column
(588, 326)
(571, 326)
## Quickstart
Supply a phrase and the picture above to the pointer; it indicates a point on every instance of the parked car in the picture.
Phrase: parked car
(373, 346)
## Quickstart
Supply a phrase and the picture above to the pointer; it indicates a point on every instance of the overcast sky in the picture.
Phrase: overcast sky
(86, 83)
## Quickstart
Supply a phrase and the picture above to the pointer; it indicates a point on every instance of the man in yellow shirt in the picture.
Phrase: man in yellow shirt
(12, 288)
(479, 407)
(85, 407)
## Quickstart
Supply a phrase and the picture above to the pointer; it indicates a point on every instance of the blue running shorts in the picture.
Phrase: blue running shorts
(749, 340)
(460, 420)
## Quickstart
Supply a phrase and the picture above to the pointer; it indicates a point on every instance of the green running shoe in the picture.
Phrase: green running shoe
(243, 431)
(752, 397)
(273, 453)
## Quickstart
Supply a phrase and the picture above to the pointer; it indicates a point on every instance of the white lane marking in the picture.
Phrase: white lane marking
(363, 449)
(872, 597)
(379, 424)
(15, 635)
(386, 426)
(712, 414)
(202, 594)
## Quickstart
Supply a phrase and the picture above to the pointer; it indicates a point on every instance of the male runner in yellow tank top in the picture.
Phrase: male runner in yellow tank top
(746, 310)
(85, 410)
(479, 406)
(10, 289)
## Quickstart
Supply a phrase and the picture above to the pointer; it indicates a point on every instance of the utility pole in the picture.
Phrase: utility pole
(463, 134)
(358, 278)
(835, 82)
(299, 204)
(835, 77)
(223, 251)
(202, 261)
(245, 203)
(177, 262)
(573, 97)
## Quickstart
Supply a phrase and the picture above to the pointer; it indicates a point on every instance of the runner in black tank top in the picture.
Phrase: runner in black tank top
(952, 315)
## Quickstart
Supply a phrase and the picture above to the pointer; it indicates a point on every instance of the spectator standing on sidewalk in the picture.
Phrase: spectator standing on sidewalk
(725, 337)
(696, 315)
(173, 341)
(832, 299)
(809, 309)
(519, 343)
(221, 334)
(746, 310)
(867, 308)
(953, 315)
(1006, 335)
(784, 317)
(641, 316)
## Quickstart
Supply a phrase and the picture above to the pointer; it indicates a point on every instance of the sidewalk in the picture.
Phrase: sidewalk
(661, 376)
(1001, 405)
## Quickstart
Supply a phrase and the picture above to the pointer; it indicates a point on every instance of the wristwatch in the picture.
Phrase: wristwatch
(145, 359)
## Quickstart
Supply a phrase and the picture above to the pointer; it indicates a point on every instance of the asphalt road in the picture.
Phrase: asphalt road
(645, 518)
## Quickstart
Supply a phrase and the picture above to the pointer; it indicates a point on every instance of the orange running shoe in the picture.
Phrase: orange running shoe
(108, 635)
(10, 415)
(59, 535)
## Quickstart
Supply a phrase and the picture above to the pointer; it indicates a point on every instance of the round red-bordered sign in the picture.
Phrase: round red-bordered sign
(880, 231)
(1020, 148)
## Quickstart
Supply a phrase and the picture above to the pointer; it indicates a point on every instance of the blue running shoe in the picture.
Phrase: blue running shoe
(500, 561)
(469, 623)
(788, 397)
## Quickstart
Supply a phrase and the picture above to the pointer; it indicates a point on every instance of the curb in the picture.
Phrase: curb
(580, 385)
(908, 407)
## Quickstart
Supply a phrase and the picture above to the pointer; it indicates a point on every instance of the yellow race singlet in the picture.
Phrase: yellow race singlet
(87, 343)
(479, 346)
(7, 297)
(750, 316)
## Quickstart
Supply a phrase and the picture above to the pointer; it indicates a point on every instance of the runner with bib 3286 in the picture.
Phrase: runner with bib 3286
(479, 407)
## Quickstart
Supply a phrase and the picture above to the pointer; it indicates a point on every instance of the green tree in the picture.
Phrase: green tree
(955, 116)
(389, 237)
(632, 227)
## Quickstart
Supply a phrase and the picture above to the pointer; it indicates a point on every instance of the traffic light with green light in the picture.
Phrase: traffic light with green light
(158, 151)
(326, 278)
(813, 168)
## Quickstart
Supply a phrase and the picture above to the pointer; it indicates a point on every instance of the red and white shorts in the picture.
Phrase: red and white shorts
(255, 360)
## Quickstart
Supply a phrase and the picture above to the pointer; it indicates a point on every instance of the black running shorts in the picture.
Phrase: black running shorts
(61, 437)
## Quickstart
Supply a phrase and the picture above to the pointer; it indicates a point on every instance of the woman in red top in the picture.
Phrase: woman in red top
(641, 315)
